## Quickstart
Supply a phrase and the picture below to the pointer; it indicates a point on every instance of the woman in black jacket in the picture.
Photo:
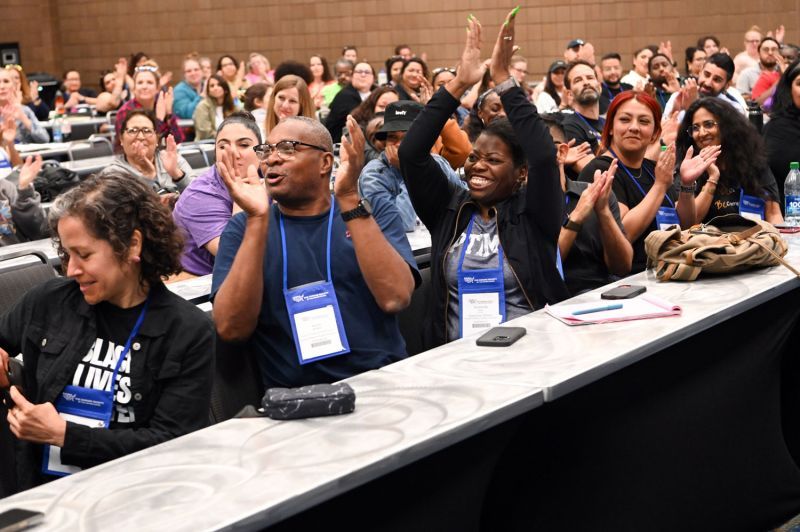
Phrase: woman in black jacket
(113, 361)
(511, 218)
(782, 132)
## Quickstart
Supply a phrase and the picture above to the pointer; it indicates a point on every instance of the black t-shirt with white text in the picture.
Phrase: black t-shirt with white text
(96, 368)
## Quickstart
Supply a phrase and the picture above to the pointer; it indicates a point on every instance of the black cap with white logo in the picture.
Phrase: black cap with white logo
(398, 117)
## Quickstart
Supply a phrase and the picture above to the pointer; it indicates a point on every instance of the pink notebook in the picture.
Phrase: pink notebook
(638, 308)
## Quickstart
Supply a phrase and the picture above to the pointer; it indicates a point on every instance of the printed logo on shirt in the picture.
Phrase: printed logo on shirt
(480, 245)
(95, 371)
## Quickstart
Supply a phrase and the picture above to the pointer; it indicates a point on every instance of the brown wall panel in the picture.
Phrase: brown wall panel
(90, 35)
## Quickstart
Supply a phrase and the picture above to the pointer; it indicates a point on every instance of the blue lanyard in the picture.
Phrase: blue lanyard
(127, 348)
(661, 99)
(611, 95)
(466, 244)
(597, 134)
(328, 247)
(669, 200)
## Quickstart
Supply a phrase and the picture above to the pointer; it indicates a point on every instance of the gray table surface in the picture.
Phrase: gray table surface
(249, 473)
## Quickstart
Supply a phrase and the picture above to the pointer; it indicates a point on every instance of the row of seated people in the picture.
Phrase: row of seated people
(312, 277)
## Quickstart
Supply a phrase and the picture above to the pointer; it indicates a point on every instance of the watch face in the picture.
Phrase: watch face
(367, 205)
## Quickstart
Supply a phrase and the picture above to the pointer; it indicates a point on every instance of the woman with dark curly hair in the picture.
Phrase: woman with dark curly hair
(740, 181)
(413, 73)
(109, 337)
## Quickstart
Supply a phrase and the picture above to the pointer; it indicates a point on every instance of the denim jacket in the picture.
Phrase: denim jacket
(381, 179)
(53, 327)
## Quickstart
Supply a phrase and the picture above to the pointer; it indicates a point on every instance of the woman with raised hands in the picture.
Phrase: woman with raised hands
(738, 178)
(166, 172)
(647, 194)
(503, 230)
(147, 94)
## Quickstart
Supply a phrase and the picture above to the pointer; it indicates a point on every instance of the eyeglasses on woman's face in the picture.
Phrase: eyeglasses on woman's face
(707, 125)
(143, 131)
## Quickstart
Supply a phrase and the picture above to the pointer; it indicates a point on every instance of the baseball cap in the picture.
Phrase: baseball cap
(398, 116)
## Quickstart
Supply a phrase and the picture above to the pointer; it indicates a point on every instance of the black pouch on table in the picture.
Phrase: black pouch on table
(309, 401)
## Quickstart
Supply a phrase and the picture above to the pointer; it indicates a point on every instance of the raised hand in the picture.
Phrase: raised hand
(161, 107)
(666, 49)
(588, 199)
(247, 192)
(425, 90)
(169, 157)
(470, 68)
(503, 49)
(576, 153)
(169, 98)
(34, 86)
(121, 69)
(669, 127)
(144, 163)
(665, 166)
(351, 161)
(693, 166)
(29, 171)
(165, 79)
(672, 84)
(9, 129)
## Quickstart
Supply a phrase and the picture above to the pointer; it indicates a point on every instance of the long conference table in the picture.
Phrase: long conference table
(686, 422)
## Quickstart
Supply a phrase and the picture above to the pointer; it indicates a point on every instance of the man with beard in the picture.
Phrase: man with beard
(663, 80)
(611, 70)
(768, 51)
(714, 82)
(584, 123)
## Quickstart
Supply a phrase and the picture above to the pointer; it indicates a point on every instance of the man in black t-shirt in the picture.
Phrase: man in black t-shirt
(583, 124)
(611, 70)
(663, 78)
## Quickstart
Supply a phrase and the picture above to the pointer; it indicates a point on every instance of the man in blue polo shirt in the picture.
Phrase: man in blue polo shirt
(312, 284)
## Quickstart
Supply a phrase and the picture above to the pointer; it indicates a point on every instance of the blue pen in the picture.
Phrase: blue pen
(615, 306)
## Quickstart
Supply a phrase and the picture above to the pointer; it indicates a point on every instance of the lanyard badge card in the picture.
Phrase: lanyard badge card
(481, 293)
(751, 207)
(313, 308)
(88, 407)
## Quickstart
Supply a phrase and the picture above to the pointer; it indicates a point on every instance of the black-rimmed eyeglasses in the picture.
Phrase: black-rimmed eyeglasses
(286, 149)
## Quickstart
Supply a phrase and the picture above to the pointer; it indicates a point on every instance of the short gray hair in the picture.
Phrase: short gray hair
(319, 134)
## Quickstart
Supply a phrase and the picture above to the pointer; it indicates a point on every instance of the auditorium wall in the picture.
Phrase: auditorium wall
(89, 35)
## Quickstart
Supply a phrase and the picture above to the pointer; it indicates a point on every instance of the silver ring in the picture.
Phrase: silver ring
(508, 38)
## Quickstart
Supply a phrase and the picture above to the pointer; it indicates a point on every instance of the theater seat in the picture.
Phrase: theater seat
(237, 381)
(14, 282)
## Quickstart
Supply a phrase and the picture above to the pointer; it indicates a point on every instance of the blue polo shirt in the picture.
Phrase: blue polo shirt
(374, 336)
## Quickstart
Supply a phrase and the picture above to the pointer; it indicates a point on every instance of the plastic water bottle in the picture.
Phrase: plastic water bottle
(791, 191)
(66, 129)
(57, 135)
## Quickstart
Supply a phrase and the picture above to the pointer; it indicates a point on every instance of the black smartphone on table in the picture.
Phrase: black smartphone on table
(500, 336)
(19, 519)
(623, 291)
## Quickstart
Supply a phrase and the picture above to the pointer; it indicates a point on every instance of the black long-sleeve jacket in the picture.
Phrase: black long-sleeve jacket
(528, 222)
(53, 327)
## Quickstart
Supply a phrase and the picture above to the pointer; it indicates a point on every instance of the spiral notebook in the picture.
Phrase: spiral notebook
(642, 307)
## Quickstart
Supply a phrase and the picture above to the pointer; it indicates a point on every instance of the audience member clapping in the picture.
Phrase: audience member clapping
(739, 180)
(258, 69)
(412, 74)
(205, 206)
(147, 95)
(647, 196)
(114, 88)
(28, 128)
(166, 172)
(28, 92)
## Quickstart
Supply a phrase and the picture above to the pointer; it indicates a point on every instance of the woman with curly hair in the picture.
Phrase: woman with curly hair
(740, 181)
(375, 103)
(109, 336)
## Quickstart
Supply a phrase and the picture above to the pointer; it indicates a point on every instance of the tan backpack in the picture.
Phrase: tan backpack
(726, 244)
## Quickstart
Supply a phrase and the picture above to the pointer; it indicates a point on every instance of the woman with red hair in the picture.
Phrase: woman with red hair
(647, 194)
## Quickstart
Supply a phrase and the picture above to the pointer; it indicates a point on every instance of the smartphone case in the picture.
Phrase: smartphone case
(500, 336)
(309, 401)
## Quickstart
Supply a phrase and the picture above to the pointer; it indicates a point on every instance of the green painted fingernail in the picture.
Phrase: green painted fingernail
(515, 11)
